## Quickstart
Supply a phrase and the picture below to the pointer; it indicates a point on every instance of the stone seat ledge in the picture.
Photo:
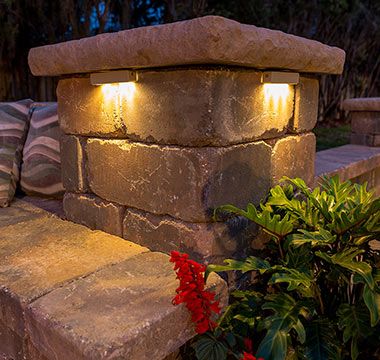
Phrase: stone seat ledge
(349, 161)
(206, 40)
(362, 104)
(67, 292)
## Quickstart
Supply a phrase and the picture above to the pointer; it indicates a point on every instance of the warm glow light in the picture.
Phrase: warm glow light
(119, 91)
(276, 93)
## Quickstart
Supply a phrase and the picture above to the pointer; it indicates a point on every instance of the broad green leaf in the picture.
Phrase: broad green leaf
(209, 348)
(316, 238)
(372, 301)
(354, 321)
(296, 280)
(321, 340)
(346, 260)
(271, 223)
(285, 318)
(250, 264)
(299, 258)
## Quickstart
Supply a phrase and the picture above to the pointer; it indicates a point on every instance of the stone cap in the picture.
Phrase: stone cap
(362, 104)
(209, 40)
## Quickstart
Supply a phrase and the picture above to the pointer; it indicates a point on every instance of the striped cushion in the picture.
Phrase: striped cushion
(41, 168)
(14, 121)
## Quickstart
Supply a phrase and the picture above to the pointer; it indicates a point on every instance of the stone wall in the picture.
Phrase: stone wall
(151, 165)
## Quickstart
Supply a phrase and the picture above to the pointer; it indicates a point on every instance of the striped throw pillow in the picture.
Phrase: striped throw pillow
(14, 119)
(41, 168)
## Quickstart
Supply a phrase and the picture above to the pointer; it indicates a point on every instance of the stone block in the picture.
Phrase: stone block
(189, 107)
(73, 164)
(94, 212)
(204, 40)
(11, 344)
(121, 312)
(365, 139)
(306, 104)
(365, 122)
(294, 156)
(42, 254)
(205, 242)
(181, 182)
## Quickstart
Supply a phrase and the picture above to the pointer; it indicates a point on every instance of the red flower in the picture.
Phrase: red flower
(200, 302)
(248, 356)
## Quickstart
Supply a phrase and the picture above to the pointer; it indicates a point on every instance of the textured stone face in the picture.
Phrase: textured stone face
(184, 107)
(73, 164)
(365, 139)
(206, 40)
(205, 242)
(362, 104)
(365, 122)
(294, 156)
(306, 104)
(182, 182)
(41, 254)
(94, 212)
(120, 312)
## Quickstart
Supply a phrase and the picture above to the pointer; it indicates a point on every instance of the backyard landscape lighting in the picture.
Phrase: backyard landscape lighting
(280, 77)
(112, 77)
(276, 86)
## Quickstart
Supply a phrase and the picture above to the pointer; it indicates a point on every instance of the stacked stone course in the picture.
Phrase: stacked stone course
(153, 168)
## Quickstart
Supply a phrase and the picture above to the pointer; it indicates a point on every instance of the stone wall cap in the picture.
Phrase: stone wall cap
(209, 40)
(362, 104)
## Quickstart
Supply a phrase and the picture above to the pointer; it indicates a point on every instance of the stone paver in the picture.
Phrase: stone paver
(121, 312)
(205, 40)
(87, 294)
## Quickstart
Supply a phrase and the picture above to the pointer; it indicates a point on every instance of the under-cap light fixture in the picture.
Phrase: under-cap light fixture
(112, 77)
(280, 77)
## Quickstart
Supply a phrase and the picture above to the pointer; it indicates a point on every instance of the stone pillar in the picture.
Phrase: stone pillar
(365, 120)
(150, 160)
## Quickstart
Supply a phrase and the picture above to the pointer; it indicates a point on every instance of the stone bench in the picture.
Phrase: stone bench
(69, 293)
(365, 120)
(357, 163)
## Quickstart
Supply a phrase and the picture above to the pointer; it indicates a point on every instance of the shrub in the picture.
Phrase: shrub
(316, 294)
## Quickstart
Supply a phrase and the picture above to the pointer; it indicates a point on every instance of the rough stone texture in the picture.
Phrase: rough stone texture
(362, 104)
(306, 104)
(121, 312)
(294, 156)
(188, 107)
(365, 122)
(73, 164)
(42, 254)
(206, 40)
(182, 182)
(205, 242)
(365, 139)
(94, 212)
(11, 344)
(349, 161)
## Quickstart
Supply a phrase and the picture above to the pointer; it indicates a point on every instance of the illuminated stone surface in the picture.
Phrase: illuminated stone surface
(183, 107)
(205, 40)
(123, 311)
(73, 164)
(185, 183)
(365, 122)
(94, 212)
(306, 104)
(67, 292)
(294, 156)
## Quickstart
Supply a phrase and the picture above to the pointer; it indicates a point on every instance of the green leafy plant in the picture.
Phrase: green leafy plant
(317, 288)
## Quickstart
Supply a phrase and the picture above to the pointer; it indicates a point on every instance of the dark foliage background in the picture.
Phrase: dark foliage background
(353, 25)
